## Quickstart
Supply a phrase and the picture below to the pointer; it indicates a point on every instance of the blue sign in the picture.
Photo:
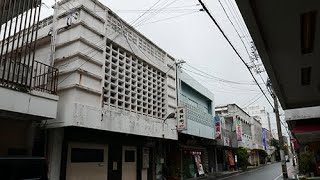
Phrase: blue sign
(264, 138)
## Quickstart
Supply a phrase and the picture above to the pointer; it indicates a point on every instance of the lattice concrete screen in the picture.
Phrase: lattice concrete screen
(132, 84)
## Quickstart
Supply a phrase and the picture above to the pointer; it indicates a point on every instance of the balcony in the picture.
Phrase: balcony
(28, 91)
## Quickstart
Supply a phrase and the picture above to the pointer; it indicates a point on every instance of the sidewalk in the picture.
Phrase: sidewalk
(292, 170)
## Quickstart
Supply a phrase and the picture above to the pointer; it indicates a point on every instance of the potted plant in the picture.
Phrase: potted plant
(306, 163)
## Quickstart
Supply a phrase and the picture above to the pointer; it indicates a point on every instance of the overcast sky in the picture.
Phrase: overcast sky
(189, 34)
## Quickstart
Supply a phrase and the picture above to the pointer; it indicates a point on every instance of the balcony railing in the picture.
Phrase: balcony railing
(23, 77)
(45, 78)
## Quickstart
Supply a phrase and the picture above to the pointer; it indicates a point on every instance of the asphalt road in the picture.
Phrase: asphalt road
(269, 172)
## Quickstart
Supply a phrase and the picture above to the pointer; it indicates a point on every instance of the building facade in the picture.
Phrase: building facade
(260, 114)
(239, 125)
(116, 89)
(196, 137)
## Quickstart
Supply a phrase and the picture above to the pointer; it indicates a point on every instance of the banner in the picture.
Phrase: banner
(264, 139)
(238, 128)
(217, 122)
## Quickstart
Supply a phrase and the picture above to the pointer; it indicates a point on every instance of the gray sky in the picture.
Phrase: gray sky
(195, 39)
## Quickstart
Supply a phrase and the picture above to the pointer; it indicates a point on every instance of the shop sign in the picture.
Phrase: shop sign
(145, 160)
(226, 141)
(238, 128)
(181, 118)
(198, 162)
(217, 122)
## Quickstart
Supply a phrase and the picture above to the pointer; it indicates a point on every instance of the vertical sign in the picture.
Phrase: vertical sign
(226, 141)
(238, 128)
(264, 138)
(181, 118)
(217, 122)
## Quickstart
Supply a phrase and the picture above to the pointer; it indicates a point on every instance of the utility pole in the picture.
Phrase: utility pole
(281, 143)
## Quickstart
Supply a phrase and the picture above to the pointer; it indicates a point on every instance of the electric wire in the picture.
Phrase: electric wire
(224, 35)
(241, 39)
(218, 78)
(154, 14)
(165, 19)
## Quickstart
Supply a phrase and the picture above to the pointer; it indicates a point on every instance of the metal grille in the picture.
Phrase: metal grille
(18, 34)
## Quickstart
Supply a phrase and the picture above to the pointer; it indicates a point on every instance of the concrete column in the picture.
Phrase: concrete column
(30, 137)
(54, 152)
(215, 159)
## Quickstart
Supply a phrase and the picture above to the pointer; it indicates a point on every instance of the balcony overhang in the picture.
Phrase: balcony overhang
(19, 9)
(276, 29)
(304, 123)
(32, 105)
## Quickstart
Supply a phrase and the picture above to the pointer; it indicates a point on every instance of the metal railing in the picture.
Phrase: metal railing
(25, 77)
(45, 78)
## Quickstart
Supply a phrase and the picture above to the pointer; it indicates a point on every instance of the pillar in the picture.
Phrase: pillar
(55, 140)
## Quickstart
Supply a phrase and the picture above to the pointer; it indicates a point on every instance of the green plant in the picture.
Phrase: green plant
(242, 155)
(306, 162)
(275, 143)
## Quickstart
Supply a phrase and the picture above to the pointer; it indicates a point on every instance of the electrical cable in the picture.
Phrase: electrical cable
(145, 12)
(154, 14)
(220, 79)
(224, 35)
(241, 38)
(169, 18)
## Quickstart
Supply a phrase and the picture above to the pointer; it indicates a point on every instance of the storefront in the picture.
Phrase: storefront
(193, 162)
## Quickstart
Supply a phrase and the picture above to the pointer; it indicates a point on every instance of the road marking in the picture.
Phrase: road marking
(277, 177)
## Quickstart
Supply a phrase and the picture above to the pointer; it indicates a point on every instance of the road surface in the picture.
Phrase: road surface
(269, 172)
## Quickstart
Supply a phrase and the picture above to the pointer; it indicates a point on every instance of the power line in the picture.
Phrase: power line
(224, 10)
(220, 79)
(224, 35)
(240, 36)
(154, 14)
(145, 12)
(169, 18)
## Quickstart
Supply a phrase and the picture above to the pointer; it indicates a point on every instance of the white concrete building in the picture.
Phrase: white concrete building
(115, 89)
(260, 114)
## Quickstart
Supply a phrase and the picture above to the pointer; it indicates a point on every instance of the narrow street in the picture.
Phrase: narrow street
(269, 172)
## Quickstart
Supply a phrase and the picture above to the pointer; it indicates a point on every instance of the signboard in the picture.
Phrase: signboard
(145, 160)
(217, 122)
(226, 141)
(264, 139)
(197, 159)
(238, 128)
(181, 118)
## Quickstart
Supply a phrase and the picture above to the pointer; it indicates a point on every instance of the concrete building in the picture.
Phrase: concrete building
(27, 87)
(195, 147)
(115, 90)
(239, 123)
(260, 114)
(257, 143)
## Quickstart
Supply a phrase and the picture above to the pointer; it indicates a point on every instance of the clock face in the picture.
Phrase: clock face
(72, 18)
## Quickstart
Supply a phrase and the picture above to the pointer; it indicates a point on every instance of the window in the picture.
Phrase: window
(129, 156)
(80, 155)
